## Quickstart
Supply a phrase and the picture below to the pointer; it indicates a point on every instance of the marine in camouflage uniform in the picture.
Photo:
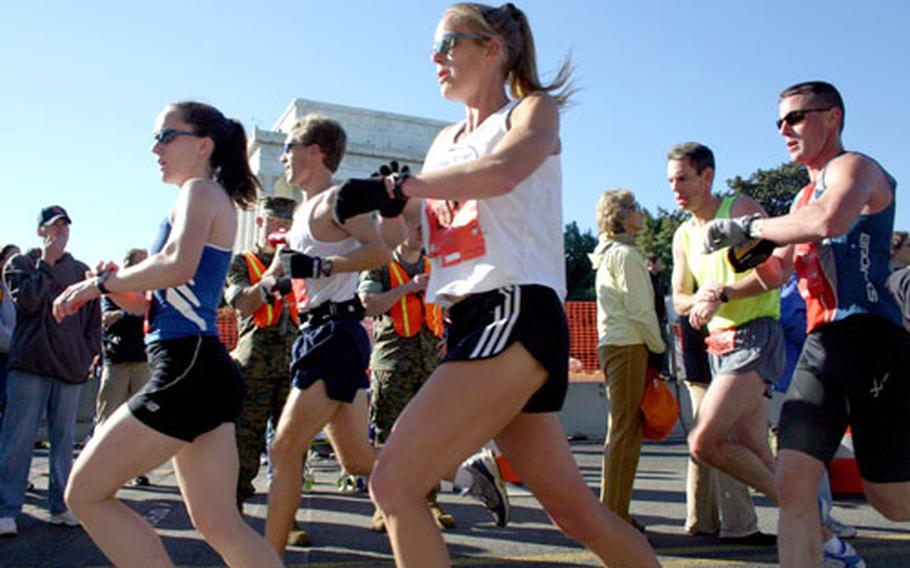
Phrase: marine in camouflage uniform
(399, 365)
(262, 353)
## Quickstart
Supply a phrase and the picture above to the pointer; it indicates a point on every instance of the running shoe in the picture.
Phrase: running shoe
(838, 553)
(840, 529)
(487, 485)
(64, 519)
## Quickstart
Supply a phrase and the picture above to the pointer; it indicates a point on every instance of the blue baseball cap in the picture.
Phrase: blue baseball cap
(50, 214)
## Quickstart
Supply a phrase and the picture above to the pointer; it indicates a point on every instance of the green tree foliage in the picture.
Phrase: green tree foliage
(579, 274)
(773, 189)
(656, 237)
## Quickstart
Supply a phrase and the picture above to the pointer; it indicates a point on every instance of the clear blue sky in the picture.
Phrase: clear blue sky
(82, 83)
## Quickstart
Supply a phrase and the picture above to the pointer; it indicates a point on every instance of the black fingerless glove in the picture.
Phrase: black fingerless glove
(299, 265)
(282, 286)
(359, 196)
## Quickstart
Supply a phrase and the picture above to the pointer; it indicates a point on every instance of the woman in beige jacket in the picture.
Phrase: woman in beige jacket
(627, 330)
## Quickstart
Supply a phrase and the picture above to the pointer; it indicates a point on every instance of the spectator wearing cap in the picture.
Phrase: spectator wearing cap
(48, 363)
(266, 329)
(7, 321)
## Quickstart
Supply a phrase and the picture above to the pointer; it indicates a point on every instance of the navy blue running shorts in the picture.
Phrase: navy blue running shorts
(337, 352)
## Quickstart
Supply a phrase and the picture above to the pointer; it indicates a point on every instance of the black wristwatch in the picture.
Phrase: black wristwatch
(100, 279)
(325, 267)
(724, 297)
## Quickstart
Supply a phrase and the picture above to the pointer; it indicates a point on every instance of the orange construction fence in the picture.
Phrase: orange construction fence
(582, 318)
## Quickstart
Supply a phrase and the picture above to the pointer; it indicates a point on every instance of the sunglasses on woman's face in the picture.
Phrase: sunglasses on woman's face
(446, 42)
(794, 117)
(167, 135)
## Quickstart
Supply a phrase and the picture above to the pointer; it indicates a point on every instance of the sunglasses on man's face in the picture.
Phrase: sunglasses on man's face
(446, 42)
(794, 117)
(288, 146)
(166, 135)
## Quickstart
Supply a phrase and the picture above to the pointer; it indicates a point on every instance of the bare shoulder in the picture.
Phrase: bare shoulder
(205, 191)
(745, 205)
(857, 166)
(537, 106)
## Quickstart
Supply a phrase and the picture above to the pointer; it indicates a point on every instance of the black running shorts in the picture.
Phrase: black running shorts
(485, 324)
(853, 372)
(194, 387)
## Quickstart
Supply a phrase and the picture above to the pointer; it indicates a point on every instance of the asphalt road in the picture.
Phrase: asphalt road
(338, 524)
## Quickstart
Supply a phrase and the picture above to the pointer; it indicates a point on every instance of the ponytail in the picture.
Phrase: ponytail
(229, 162)
(510, 27)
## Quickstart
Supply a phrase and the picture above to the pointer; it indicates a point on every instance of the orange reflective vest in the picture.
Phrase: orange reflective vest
(268, 314)
(409, 312)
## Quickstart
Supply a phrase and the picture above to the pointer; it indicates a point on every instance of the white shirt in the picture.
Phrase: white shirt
(336, 288)
(516, 238)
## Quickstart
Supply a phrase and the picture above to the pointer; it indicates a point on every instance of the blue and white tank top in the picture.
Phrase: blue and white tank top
(191, 308)
(846, 275)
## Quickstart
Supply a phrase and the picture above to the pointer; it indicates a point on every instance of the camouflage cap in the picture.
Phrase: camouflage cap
(282, 207)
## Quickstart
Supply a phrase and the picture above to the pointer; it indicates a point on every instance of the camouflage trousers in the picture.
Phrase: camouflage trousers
(390, 393)
(264, 399)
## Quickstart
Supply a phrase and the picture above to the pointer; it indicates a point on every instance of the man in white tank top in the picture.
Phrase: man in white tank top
(330, 356)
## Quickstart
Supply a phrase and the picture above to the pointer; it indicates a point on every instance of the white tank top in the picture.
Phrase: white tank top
(336, 288)
(480, 245)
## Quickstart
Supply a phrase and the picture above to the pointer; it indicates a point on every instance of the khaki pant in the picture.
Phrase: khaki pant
(708, 490)
(624, 367)
(119, 382)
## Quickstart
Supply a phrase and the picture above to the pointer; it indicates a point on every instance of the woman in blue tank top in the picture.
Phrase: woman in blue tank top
(188, 408)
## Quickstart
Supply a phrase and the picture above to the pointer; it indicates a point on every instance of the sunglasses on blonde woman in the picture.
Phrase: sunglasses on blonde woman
(446, 42)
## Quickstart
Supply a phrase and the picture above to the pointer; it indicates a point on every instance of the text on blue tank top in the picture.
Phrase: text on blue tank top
(861, 258)
(191, 308)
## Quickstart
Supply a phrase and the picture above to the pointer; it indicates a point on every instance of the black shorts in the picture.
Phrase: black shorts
(194, 387)
(337, 352)
(694, 353)
(484, 324)
(854, 371)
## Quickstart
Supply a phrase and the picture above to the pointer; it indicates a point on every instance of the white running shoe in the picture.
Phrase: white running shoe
(64, 519)
(838, 553)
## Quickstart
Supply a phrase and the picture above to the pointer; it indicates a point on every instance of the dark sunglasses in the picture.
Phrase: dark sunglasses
(794, 117)
(167, 135)
(445, 43)
(286, 149)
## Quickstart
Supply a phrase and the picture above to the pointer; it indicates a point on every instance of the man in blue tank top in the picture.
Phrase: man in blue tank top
(854, 366)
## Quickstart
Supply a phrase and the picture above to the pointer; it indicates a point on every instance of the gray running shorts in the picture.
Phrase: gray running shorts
(757, 345)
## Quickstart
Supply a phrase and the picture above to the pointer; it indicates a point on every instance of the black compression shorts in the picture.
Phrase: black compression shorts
(853, 372)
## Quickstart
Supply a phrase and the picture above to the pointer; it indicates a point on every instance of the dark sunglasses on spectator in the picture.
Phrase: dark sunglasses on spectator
(286, 149)
(447, 41)
(794, 117)
(167, 135)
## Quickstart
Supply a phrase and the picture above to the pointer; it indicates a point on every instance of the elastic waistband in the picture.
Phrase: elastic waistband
(349, 310)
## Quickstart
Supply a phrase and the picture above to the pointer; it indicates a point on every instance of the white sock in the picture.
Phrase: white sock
(464, 479)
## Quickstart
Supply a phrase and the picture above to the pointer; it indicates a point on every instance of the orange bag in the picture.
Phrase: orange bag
(658, 407)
